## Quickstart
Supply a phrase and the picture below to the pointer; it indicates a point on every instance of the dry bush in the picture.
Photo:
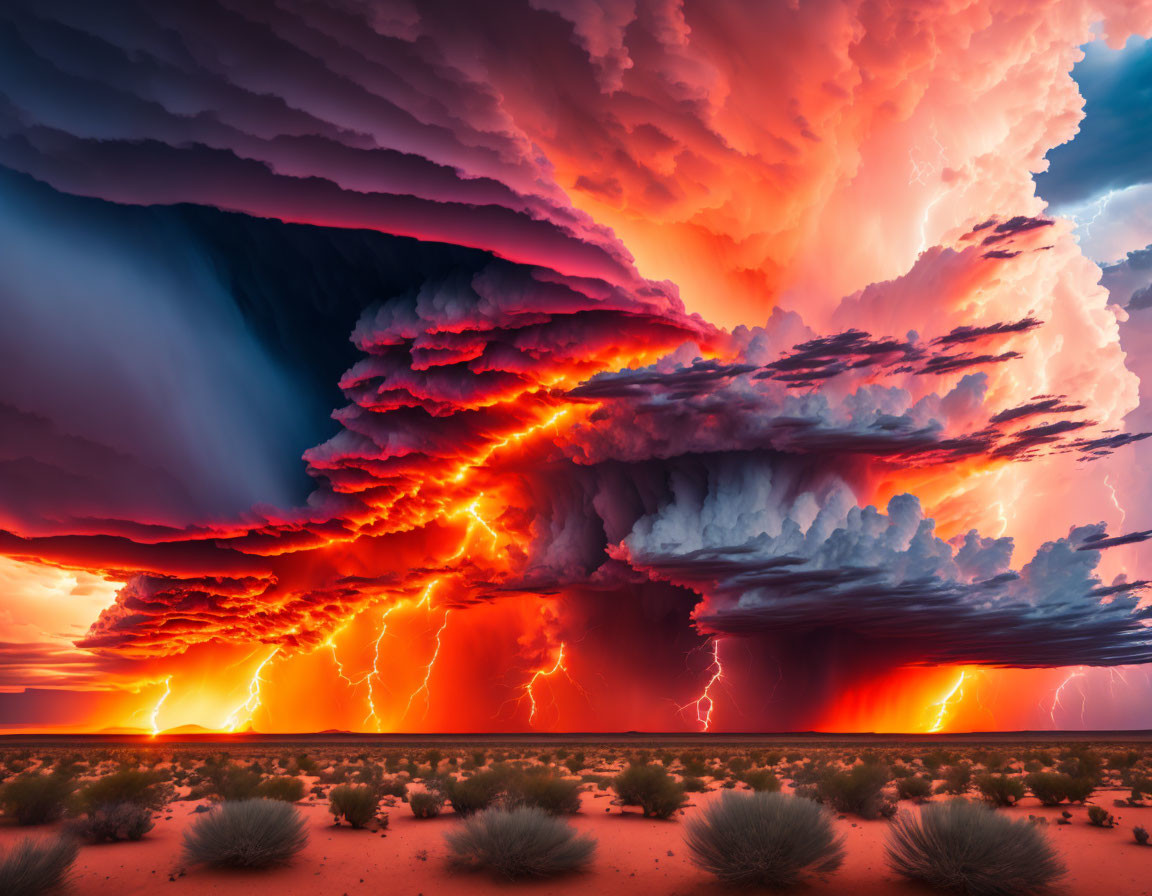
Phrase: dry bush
(1001, 790)
(544, 790)
(284, 788)
(36, 799)
(426, 804)
(516, 843)
(356, 804)
(36, 868)
(914, 788)
(764, 839)
(116, 821)
(859, 790)
(969, 848)
(651, 788)
(246, 834)
(148, 789)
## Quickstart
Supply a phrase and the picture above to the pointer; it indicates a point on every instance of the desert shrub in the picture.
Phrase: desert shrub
(232, 782)
(474, 794)
(913, 788)
(575, 762)
(971, 849)
(32, 868)
(148, 789)
(1140, 833)
(859, 790)
(115, 821)
(1048, 787)
(246, 834)
(284, 788)
(1123, 760)
(1052, 788)
(35, 799)
(544, 790)
(1081, 763)
(1100, 817)
(480, 758)
(694, 764)
(694, 785)
(426, 803)
(760, 780)
(956, 779)
(1001, 790)
(1141, 787)
(651, 788)
(764, 839)
(520, 842)
(992, 760)
(738, 765)
(1079, 789)
(355, 803)
(397, 787)
(935, 759)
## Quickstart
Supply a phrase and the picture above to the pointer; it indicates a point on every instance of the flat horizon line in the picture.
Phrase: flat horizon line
(601, 736)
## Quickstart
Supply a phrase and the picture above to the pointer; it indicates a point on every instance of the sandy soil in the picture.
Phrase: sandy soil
(635, 855)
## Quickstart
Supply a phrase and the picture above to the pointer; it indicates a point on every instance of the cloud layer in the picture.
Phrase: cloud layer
(445, 336)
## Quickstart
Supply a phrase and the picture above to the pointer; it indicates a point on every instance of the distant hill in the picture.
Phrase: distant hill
(191, 729)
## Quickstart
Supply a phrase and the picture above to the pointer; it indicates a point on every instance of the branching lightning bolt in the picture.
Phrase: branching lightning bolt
(1056, 704)
(704, 715)
(249, 706)
(508, 440)
(529, 691)
(428, 671)
(942, 715)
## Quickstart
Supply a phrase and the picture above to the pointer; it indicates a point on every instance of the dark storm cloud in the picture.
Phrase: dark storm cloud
(1100, 541)
(1111, 149)
(961, 335)
(889, 580)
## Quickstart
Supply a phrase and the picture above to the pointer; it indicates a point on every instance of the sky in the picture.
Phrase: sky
(609, 365)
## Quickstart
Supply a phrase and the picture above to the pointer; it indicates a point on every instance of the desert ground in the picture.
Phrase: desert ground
(401, 854)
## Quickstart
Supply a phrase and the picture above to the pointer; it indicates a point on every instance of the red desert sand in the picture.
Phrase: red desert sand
(635, 855)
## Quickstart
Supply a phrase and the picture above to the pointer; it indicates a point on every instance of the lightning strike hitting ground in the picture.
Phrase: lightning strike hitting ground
(249, 706)
(942, 714)
(159, 703)
(704, 715)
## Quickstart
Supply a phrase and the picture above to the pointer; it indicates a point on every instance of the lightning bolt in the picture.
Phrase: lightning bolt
(942, 715)
(542, 673)
(704, 716)
(159, 703)
(1115, 501)
(508, 440)
(250, 705)
(1100, 205)
(1056, 704)
(373, 675)
(474, 519)
(428, 672)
